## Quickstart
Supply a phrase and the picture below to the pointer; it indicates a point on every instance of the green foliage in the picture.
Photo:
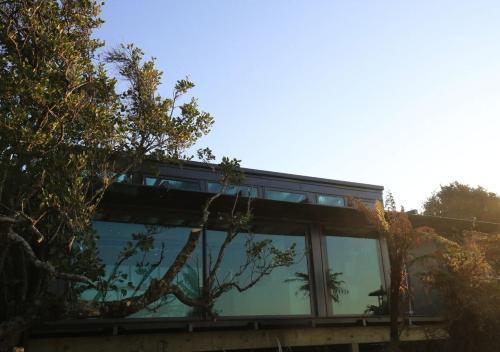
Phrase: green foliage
(461, 201)
(141, 243)
(152, 123)
(65, 132)
(230, 173)
(396, 229)
(469, 286)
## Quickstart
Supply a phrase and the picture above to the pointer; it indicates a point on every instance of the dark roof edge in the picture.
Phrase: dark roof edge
(313, 179)
(256, 172)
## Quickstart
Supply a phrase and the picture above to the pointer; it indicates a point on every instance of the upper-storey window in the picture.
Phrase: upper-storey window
(245, 191)
(173, 184)
(123, 178)
(354, 276)
(334, 201)
(286, 196)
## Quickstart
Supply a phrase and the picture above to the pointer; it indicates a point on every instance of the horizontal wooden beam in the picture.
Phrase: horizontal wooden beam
(228, 340)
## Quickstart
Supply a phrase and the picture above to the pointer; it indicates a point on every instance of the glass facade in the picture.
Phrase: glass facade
(425, 301)
(284, 292)
(336, 278)
(286, 196)
(334, 201)
(130, 265)
(354, 276)
(173, 184)
(245, 191)
(132, 276)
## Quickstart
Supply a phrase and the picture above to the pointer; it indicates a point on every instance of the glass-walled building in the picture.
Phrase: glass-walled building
(338, 274)
(338, 269)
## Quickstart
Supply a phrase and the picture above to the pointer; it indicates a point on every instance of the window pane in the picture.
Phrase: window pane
(286, 196)
(142, 267)
(425, 300)
(245, 191)
(172, 184)
(123, 178)
(333, 201)
(284, 292)
(354, 276)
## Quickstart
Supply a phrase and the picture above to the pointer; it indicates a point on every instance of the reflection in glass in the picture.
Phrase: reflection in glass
(334, 283)
(274, 294)
(123, 178)
(172, 184)
(426, 300)
(334, 201)
(129, 275)
(286, 196)
(357, 260)
(381, 308)
(245, 191)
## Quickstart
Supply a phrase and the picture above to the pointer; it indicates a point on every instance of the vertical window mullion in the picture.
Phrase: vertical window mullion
(206, 264)
(317, 270)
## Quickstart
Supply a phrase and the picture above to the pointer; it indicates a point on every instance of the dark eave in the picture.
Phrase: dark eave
(276, 175)
(137, 203)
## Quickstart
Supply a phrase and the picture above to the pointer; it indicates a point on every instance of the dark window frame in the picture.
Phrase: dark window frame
(307, 199)
(186, 319)
(382, 272)
(227, 194)
(305, 235)
(167, 178)
(331, 195)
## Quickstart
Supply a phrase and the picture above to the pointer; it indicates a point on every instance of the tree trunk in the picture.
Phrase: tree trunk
(394, 306)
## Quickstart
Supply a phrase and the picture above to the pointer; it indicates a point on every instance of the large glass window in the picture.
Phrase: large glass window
(425, 300)
(333, 201)
(172, 184)
(354, 276)
(285, 291)
(130, 276)
(245, 191)
(286, 196)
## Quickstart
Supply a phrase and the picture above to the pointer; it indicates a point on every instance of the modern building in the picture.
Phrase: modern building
(332, 296)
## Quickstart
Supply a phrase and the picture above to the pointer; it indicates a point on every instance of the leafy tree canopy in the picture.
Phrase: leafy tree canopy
(461, 201)
(65, 132)
(466, 275)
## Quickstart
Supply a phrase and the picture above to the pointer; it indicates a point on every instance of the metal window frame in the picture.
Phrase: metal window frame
(205, 268)
(307, 199)
(168, 178)
(312, 299)
(382, 256)
(252, 186)
(331, 195)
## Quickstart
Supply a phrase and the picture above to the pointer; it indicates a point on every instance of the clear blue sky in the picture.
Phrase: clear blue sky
(405, 94)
